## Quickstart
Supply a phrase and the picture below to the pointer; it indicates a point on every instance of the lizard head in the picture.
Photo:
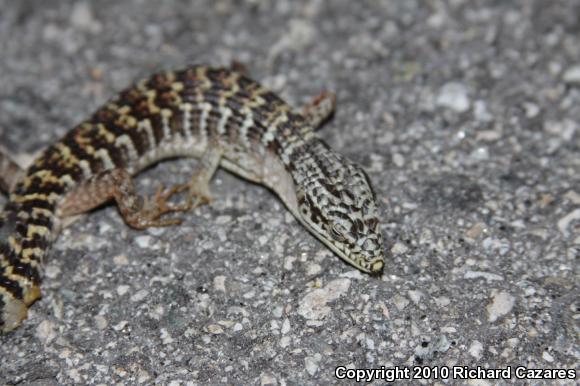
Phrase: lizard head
(337, 204)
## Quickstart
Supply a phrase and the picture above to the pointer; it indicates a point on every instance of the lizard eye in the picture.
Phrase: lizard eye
(338, 232)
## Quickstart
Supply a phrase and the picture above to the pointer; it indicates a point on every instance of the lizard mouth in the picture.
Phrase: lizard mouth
(373, 267)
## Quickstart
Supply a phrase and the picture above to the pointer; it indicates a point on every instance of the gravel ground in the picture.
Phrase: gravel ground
(465, 115)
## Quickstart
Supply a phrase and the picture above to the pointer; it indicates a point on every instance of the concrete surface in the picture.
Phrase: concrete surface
(465, 115)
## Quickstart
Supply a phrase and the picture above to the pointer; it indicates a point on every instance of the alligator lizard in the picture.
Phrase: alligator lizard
(219, 116)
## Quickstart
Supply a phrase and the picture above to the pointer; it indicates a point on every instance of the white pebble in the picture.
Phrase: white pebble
(285, 341)
(101, 322)
(547, 357)
(82, 16)
(143, 241)
(166, 337)
(45, 331)
(400, 302)
(399, 249)
(224, 219)
(476, 349)
(123, 289)
(140, 295)
(312, 363)
(454, 95)
(219, 283)
(121, 325)
(573, 197)
(480, 274)
(398, 160)
(104, 228)
(565, 221)
(531, 109)
(501, 304)
(313, 269)
(121, 260)
(415, 296)
(267, 380)
(314, 304)
(277, 311)
(442, 301)
(480, 111)
(215, 329)
(52, 271)
(301, 34)
(285, 326)
(288, 262)
(480, 154)
(572, 75)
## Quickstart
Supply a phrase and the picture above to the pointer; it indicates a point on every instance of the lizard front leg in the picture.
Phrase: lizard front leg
(320, 109)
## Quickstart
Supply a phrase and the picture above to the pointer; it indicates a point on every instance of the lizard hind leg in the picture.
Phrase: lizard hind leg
(117, 185)
(12, 312)
(10, 172)
(139, 213)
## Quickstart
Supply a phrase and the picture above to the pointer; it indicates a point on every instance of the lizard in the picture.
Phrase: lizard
(219, 116)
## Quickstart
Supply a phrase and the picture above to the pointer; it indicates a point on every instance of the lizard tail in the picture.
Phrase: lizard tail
(23, 245)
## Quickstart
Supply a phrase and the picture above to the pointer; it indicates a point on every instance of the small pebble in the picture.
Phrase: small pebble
(480, 111)
(564, 222)
(238, 327)
(312, 363)
(531, 110)
(268, 380)
(284, 341)
(121, 260)
(285, 326)
(45, 331)
(454, 95)
(143, 241)
(100, 322)
(400, 302)
(479, 274)
(139, 295)
(398, 160)
(313, 269)
(572, 75)
(314, 304)
(476, 349)
(415, 296)
(547, 357)
(501, 304)
(166, 337)
(123, 289)
(215, 329)
(399, 249)
(121, 325)
(219, 283)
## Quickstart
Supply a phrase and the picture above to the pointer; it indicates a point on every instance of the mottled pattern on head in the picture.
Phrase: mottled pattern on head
(337, 203)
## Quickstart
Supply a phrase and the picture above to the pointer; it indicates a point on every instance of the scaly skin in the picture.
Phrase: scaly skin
(217, 115)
